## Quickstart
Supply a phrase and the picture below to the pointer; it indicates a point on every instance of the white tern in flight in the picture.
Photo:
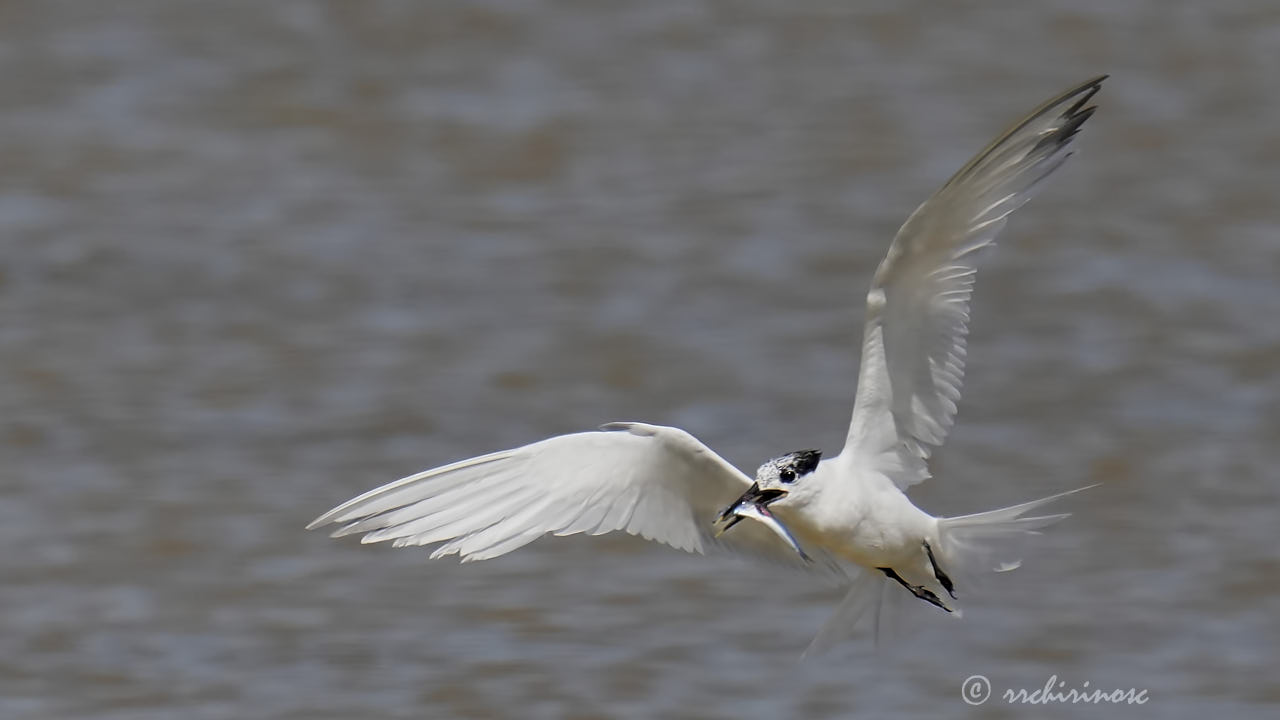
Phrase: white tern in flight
(845, 516)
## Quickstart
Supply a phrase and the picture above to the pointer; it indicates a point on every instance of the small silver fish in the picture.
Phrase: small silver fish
(746, 508)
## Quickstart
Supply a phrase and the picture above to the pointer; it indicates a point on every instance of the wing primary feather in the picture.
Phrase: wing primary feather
(459, 520)
(400, 492)
(462, 491)
(1085, 91)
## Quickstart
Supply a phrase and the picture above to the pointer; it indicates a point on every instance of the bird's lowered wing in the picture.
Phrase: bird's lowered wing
(913, 351)
(657, 482)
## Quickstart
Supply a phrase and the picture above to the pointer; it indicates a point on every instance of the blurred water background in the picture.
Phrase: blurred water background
(258, 257)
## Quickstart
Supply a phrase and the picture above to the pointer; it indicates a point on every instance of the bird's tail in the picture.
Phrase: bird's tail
(970, 546)
(973, 545)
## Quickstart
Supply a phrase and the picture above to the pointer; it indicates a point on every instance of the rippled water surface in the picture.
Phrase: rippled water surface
(256, 258)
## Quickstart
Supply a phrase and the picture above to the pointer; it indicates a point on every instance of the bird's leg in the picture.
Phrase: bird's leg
(937, 572)
(919, 591)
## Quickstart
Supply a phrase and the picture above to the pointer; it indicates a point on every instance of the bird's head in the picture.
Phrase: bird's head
(775, 481)
(784, 472)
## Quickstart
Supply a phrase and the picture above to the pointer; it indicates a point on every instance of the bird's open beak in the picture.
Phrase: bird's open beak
(754, 504)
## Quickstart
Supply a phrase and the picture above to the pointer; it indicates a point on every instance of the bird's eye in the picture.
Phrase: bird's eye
(787, 476)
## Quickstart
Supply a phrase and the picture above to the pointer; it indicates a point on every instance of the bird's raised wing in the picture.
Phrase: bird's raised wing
(657, 482)
(913, 350)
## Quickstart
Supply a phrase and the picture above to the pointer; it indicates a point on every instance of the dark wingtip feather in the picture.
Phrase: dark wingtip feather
(1076, 112)
(1090, 89)
(1064, 133)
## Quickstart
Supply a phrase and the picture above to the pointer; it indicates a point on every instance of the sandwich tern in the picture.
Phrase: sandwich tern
(846, 517)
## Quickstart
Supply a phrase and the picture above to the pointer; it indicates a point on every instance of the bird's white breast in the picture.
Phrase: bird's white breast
(864, 519)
